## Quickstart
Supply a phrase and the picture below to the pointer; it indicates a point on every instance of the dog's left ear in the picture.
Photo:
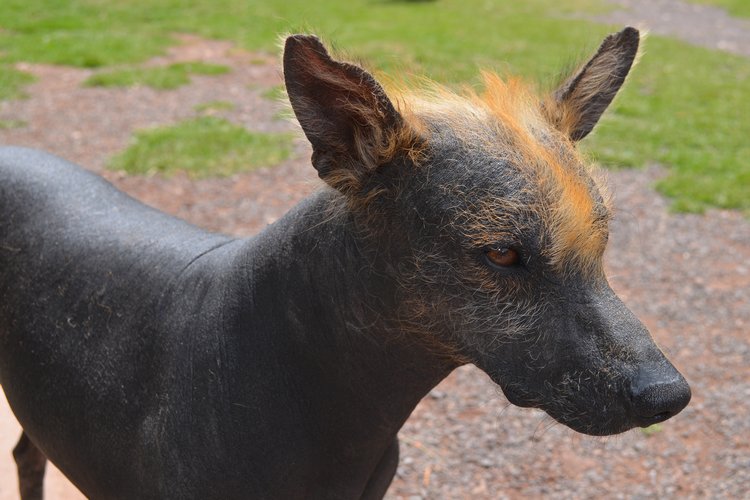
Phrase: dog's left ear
(342, 109)
(577, 105)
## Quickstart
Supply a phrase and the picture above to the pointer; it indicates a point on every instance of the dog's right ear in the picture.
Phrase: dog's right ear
(342, 109)
(578, 104)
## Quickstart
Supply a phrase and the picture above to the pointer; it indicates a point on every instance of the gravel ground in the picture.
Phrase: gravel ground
(700, 25)
(686, 276)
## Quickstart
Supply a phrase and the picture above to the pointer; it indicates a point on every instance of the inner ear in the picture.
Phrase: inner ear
(580, 101)
(344, 112)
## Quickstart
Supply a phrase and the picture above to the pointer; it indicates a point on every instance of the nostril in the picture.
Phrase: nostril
(661, 417)
(645, 420)
(655, 399)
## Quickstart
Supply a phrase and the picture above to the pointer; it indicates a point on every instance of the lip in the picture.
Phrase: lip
(517, 397)
(654, 419)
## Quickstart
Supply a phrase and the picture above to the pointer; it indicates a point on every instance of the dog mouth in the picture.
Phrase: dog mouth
(518, 397)
(602, 416)
(593, 425)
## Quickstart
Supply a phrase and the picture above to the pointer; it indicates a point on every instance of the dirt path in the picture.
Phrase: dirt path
(700, 25)
(686, 276)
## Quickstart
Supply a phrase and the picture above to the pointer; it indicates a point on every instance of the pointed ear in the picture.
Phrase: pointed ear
(580, 101)
(342, 109)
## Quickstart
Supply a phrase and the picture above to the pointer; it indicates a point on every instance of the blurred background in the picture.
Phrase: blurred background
(179, 103)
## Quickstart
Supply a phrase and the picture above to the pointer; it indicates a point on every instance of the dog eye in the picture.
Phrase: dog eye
(503, 257)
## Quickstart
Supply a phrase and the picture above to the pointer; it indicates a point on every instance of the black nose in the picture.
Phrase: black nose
(658, 393)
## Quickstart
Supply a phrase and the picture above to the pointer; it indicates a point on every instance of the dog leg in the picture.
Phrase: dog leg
(31, 463)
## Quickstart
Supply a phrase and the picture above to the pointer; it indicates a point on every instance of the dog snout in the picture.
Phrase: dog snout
(657, 393)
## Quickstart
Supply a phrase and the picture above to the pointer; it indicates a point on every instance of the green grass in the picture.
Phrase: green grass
(161, 77)
(652, 430)
(735, 7)
(446, 39)
(214, 107)
(688, 108)
(202, 147)
(12, 82)
(11, 124)
(685, 107)
(424, 36)
(86, 33)
(275, 93)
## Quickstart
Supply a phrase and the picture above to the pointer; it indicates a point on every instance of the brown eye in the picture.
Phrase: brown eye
(503, 257)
